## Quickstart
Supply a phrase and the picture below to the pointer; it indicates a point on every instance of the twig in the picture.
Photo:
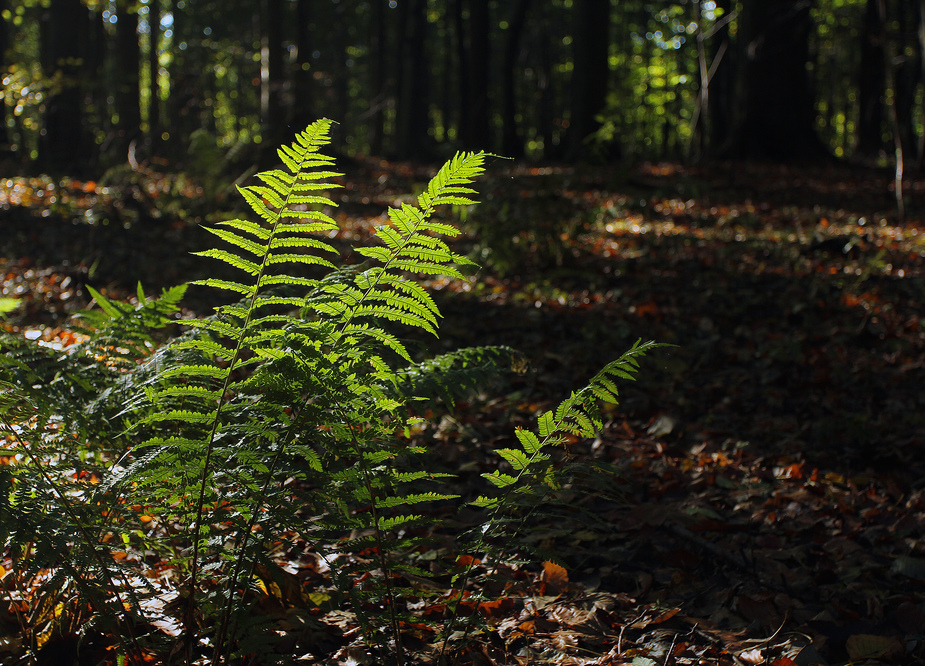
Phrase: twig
(670, 649)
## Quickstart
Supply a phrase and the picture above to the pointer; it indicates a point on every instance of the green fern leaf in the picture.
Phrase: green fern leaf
(517, 459)
(402, 500)
(247, 291)
(529, 441)
(499, 479)
(247, 226)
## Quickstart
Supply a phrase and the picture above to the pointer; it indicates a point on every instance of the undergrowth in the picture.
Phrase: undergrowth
(152, 486)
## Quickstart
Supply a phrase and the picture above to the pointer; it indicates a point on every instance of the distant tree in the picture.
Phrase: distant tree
(302, 87)
(511, 135)
(907, 63)
(412, 138)
(64, 144)
(473, 28)
(272, 82)
(4, 43)
(126, 77)
(590, 73)
(378, 77)
(774, 86)
(721, 62)
(154, 91)
(871, 83)
(921, 51)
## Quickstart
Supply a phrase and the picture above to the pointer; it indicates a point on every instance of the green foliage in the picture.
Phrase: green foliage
(281, 419)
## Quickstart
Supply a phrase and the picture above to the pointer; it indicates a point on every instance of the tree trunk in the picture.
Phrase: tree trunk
(378, 92)
(304, 111)
(479, 90)
(272, 112)
(185, 101)
(4, 43)
(512, 140)
(870, 84)
(154, 68)
(591, 73)
(127, 79)
(908, 76)
(779, 104)
(412, 119)
(464, 127)
(722, 81)
(64, 145)
(920, 34)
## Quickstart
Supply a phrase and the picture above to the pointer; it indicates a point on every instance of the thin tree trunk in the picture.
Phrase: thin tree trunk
(272, 112)
(464, 130)
(412, 119)
(479, 90)
(64, 145)
(512, 141)
(304, 112)
(377, 79)
(154, 68)
(889, 75)
(722, 79)
(590, 75)
(921, 38)
(128, 80)
(4, 36)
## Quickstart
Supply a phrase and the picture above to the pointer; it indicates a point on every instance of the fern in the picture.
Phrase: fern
(279, 419)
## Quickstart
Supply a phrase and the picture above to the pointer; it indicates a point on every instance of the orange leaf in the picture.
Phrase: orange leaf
(555, 577)
(667, 615)
(497, 608)
(467, 560)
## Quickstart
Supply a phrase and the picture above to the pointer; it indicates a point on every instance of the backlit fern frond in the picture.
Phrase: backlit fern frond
(284, 419)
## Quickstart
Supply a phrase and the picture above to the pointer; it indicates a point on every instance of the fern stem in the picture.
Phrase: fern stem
(470, 565)
(383, 559)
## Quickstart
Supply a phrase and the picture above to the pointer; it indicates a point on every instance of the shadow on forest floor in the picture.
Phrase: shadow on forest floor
(773, 458)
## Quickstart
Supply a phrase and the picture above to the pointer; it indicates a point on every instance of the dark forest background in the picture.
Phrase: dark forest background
(85, 81)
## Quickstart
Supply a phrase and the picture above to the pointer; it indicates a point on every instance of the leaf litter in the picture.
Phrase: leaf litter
(772, 499)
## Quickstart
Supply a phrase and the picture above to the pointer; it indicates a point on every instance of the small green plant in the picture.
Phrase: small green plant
(154, 487)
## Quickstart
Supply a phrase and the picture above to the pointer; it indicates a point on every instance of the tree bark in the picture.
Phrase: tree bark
(870, 84)
(464, 126)
(590, 75)
(722, 81)
(412, 118)
(479, 91)
(779, 107)
(378, 91)
(127, 78)
(511, 139)
(304, 111)
(4, 42)
(154, 68)
(64, 145)
(908, 76)
(272, 112)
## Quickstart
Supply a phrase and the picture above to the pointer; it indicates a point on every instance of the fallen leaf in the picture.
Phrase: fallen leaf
(868, 646)
(555, 577)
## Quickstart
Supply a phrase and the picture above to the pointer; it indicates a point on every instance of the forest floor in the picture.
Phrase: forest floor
(773, 477)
